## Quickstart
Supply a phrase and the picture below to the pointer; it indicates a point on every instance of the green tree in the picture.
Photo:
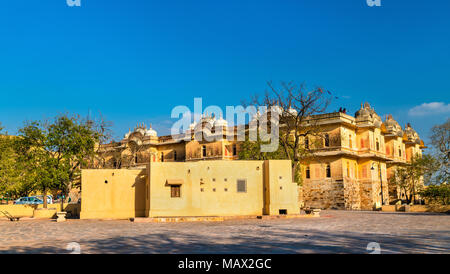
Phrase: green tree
(13, 183)
(439, 194)
(54, 152)
(410, 177)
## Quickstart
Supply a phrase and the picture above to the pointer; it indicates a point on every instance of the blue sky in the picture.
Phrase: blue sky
(134, 61)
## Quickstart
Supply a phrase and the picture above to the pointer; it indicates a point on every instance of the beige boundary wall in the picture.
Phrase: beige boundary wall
(417, 208)
(207, 188)
(32, 210)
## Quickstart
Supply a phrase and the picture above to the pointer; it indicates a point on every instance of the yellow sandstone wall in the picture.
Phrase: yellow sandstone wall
(112, 193)
(207, 188)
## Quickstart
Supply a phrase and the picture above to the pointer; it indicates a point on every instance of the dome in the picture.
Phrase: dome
(367, 115)
(192, 126)
(392, 126)
(411, 134)
(151, 132)
(127, 134)
(292, 111)
(220, 122)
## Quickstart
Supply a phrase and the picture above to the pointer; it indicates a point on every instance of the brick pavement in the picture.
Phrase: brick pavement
(335, 232)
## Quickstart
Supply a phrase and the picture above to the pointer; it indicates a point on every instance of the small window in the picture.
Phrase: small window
(308, 172)
(241, 185)
(204, 151)
(327, 140)
(234, 150)
(136, 159)
(399, 152)
(328, 171)
(174, 155)
(282, 211)
(162, 156)
(378, 145)
(306, 143)
(175, 191)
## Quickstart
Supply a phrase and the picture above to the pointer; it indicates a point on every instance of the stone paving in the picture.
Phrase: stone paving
(334, 232)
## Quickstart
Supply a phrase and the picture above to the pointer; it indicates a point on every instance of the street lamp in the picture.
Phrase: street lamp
(381, 181)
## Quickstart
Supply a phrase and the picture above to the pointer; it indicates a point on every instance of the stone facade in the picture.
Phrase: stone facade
(349, 168)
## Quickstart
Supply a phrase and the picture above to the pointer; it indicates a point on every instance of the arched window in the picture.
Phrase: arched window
(328, 171)
(327, 140)
(399, 152)
(378, 145)
(174, 155)
(162, 156)
(204, 151)
(308, 173)
(306, 143)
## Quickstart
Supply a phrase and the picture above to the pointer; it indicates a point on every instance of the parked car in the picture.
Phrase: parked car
(28, 201)
(49, 198)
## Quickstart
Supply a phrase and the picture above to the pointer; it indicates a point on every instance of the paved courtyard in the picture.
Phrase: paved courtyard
(335, 232)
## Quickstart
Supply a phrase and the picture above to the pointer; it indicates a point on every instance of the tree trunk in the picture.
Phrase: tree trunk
(44, 197)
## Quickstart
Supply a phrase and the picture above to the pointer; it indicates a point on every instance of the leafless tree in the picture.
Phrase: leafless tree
(297, 105)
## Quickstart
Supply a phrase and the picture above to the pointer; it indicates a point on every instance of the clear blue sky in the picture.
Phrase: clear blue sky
(135, 60)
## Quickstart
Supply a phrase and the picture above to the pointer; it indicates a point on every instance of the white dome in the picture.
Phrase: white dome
(292, 111)
(220, 123)
(192, 126)
(150, 132)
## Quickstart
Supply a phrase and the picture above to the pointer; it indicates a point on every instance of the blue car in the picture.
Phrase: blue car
(41, 197)
(28, 201)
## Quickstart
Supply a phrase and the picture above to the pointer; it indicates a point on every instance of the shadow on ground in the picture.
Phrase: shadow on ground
(271, 242)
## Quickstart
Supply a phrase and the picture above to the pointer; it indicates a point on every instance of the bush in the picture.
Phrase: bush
(439, 194)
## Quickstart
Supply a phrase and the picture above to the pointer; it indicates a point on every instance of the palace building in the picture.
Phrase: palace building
(349, 167)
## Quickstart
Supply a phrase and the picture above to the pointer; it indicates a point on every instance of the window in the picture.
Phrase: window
(174, 155)
(115, 163)
(327, 140)
(378, 145)
(204, 151)
(136, 159)
(175, 191)
(399, 152)
(306, 143)
(162, 156)
(234, 150)
(241, 185)
(282, 211)
(308, 173)
(350, 143)
(328, 171)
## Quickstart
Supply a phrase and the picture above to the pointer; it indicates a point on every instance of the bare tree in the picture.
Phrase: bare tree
(297, 106)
